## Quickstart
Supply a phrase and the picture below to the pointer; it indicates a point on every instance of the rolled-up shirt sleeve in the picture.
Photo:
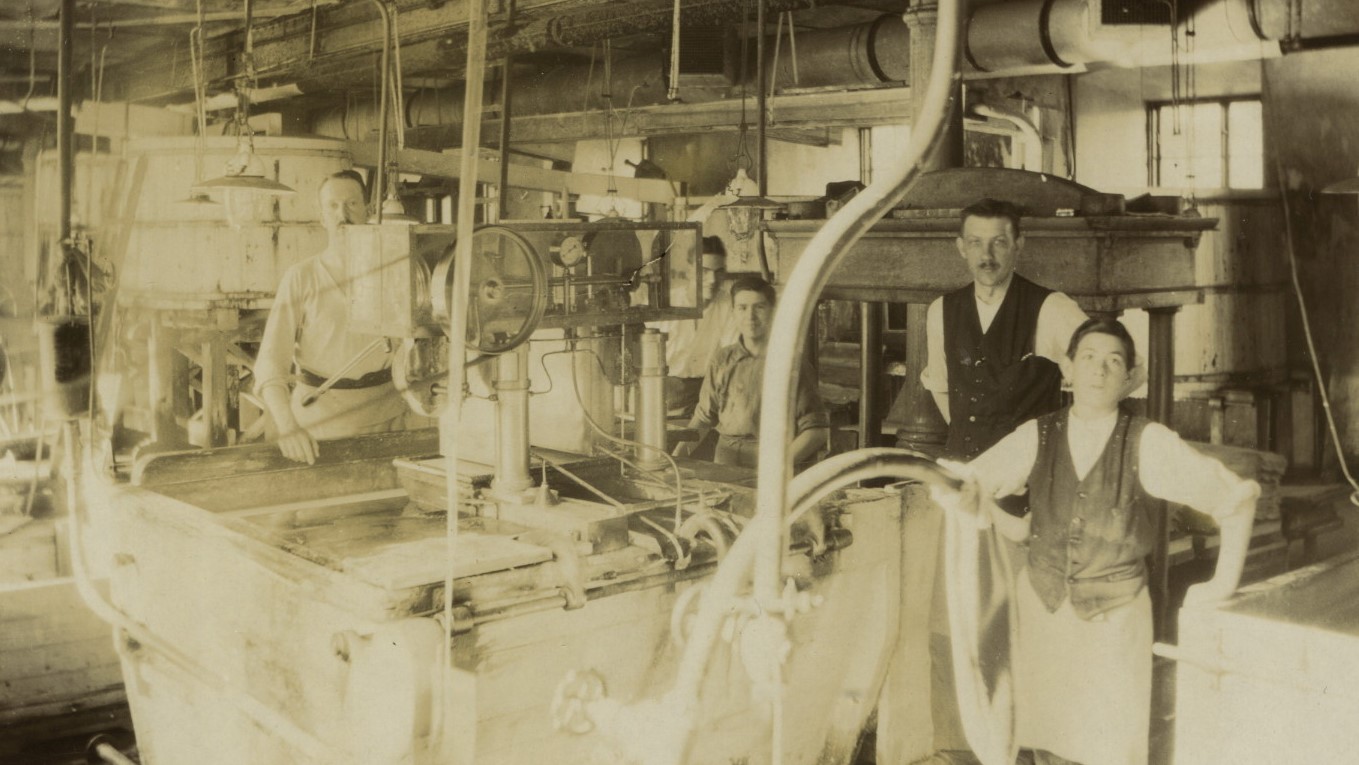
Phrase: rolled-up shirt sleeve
(273, 364)
(935, 374)
(1058, 320)
(1175, 471)
(1004, 469)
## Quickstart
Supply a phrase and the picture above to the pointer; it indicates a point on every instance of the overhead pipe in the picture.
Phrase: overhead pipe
(792, 318)
(867, 54)
(1066, 35)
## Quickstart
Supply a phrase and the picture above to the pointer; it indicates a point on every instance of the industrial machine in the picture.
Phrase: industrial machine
(274, 612)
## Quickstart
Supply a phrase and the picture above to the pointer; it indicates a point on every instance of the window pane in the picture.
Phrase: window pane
(1246, 145)
(1193, 156)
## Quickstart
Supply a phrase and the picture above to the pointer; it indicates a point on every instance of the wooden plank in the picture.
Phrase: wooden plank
(412, 564)
(205, 464)
(448, 164)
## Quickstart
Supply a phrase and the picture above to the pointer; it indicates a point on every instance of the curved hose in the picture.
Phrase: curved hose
(793, 315)
(806, 489)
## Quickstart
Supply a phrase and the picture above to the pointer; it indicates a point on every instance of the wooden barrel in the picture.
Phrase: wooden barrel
(183, 255)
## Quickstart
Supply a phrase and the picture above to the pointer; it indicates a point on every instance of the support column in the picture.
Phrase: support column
(924, 429)
(512, 426)
(214, 384)
(917, 712)
(1160, 404)
(870, 373)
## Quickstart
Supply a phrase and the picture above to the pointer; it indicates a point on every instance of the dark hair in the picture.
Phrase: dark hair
(712, 245)
(1103, 326)
(991, 208)
(752, 284)
(346, 175)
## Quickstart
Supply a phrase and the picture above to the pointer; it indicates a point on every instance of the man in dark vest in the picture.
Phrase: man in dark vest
(993, 351)
(994, 345)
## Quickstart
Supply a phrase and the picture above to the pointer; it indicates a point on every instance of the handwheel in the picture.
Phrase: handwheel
(507, 294)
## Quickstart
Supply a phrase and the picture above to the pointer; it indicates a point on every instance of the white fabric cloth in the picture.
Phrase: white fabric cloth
(1101, 668)
(309, 323)
(1057, 321)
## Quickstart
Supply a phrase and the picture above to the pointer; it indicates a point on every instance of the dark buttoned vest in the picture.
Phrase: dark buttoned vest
(995, 381)
(1089, 536)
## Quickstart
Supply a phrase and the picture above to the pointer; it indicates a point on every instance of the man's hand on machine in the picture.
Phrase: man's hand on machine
(298, 445)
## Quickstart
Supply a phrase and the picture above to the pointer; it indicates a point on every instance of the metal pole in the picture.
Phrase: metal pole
(651, 400)
(384, 110)
(512, 424)
(505, 95)
(761, 97)
(1160, 403)
(65, 152)
(870, 373)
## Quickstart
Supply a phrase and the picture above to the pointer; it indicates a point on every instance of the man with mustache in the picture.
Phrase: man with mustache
(307, 339)
(994, 345)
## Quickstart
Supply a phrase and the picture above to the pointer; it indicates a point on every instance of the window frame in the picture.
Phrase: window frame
(1154, 156)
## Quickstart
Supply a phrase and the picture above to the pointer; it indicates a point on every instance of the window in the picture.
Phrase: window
(1207, 144)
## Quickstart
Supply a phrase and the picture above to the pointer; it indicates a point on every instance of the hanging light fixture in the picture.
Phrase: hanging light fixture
(389, 209)
(750, 205)
(198, 197)
(245, 170)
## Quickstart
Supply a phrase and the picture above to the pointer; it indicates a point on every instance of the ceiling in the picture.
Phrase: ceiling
(140, 50)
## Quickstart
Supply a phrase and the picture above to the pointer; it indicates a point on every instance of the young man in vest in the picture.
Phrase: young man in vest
(1082, 661)
(994, 345)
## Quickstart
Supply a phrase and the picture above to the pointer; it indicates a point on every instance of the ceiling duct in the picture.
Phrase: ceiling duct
(868, 54)
(1027, 35)
(703, 56)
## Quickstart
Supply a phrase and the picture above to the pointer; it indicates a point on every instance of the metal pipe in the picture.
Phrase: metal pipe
(384, 110)
(506, 97)
(451, 418)
(1065, 35)
(109, 753)
(65, 150)
(512, 475)
(805, 491)
(762, 106)
(870, 372)
(650, 415)
(862, 54)
(1033, 142)
(793, 316)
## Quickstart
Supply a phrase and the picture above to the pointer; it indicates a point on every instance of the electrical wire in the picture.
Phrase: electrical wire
(1281, 180)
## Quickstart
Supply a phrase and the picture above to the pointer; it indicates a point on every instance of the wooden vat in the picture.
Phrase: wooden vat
(319, 610)
(1272, 676)
(187, 255)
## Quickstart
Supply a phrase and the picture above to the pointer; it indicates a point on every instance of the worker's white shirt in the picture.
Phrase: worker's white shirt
(1057, 321)
(1169, 468)
(309, 322)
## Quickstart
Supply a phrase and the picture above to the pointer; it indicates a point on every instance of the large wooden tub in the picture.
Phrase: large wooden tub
(301, 628)
(1272, 676)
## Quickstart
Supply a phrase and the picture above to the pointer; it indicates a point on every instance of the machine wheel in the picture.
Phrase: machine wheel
(508, 291)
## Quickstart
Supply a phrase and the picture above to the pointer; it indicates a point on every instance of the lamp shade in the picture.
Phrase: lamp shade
(244, 173)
